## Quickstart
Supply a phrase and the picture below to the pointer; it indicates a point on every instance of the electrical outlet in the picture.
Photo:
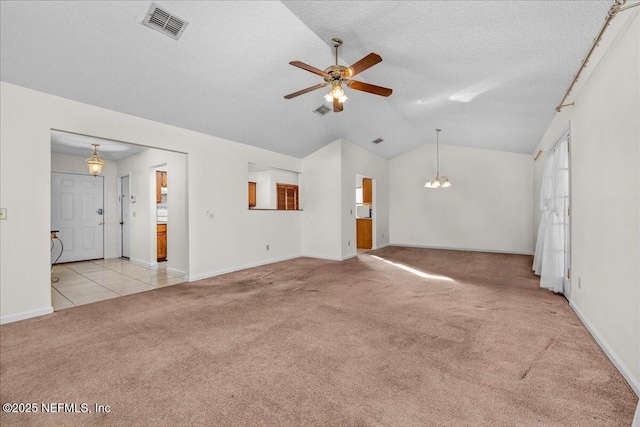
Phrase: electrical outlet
(267, 247)
(349, 242)
(383, 235)
(579, 282)
(3, 213)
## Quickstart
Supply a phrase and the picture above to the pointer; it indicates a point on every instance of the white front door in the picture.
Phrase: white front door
(77, 212)
(125, 221)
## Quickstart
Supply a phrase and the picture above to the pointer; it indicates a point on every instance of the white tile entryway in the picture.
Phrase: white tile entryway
(79, 283)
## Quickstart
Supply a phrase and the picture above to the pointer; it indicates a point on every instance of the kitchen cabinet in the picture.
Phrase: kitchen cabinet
(287, 196)
(364, 233)
(367, 191)
(158, 186)
(162, 241)
(161, 181)
(252, 194)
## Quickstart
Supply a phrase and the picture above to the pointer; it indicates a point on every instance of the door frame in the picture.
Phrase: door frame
(120, 236)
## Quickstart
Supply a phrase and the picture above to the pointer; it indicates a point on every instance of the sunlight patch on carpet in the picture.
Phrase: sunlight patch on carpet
(414, 271)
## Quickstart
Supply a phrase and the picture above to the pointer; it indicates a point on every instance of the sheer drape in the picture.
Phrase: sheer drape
(550, 256)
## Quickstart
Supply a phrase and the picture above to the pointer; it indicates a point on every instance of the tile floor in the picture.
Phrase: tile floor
(91, 281)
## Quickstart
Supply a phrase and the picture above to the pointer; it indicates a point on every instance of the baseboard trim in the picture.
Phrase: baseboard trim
(380, 247)
(242, 267)
(495, 251)
(328, 258)
(634, 383)
(142, 263)
(177, 272)
(25, 315)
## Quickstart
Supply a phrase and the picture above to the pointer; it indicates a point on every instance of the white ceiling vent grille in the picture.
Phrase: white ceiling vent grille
(377, 141)
(322, 110)
(163, 21)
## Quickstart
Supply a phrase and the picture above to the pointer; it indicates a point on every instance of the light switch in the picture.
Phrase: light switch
(3, 213)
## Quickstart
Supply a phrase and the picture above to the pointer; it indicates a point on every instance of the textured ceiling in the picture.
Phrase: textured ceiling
(488, 73)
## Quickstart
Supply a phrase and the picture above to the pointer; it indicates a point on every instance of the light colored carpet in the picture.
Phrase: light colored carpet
(396, 337)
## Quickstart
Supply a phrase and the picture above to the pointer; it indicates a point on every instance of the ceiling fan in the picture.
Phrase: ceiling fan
(335, 75)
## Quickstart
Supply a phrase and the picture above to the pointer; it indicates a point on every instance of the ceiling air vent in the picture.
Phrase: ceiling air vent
(377, 141)
(161, 20)
(322, 110)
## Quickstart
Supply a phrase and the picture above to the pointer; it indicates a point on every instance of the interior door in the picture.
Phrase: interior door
(125, 213)
(77, 211)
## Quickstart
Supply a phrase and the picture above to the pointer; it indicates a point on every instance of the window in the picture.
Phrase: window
(287, 197)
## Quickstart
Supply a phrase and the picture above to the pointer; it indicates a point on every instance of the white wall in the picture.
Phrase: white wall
(320, 197)
(358, 161)
(74, 164)
(142, 182)
(605, 190)
(488, 208)
(229, 237)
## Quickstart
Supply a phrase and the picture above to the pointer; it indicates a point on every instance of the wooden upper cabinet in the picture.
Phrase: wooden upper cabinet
(161, 181)
(367, 191)
(252, 194)
(158, 186)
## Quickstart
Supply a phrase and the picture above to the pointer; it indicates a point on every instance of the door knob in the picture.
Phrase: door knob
(99, 223)
(121, 222)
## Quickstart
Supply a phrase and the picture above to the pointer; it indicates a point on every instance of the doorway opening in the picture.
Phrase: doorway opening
(125, 257)
(365, 213)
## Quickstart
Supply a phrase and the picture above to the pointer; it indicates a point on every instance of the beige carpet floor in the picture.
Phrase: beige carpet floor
(396, 337)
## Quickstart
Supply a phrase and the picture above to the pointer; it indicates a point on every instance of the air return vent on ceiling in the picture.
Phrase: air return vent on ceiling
(163, 21)
(377, 141)
(322, 110)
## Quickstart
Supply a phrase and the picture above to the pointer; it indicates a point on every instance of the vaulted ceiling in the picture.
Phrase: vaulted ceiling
(489, 73)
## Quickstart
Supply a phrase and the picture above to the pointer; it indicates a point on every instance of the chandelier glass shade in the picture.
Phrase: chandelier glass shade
(95, 162)
(336, 92)
(438, 181)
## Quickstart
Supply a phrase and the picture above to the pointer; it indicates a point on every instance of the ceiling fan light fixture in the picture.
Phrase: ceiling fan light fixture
(337, 74)
(95, 162)
(337, 91)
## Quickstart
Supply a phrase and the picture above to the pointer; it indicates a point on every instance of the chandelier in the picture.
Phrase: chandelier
(438, 181)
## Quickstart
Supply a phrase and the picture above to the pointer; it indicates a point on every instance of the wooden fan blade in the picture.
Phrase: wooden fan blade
(337, 105)
(366, 87)
(308, 67)
(366, 62)
(303, 91)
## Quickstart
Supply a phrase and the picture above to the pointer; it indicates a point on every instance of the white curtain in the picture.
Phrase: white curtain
(550, 259)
